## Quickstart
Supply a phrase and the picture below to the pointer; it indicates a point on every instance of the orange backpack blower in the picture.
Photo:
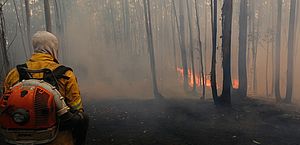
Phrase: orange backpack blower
(30, 110)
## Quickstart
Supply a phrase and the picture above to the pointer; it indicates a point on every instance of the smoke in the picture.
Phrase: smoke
(105, 43)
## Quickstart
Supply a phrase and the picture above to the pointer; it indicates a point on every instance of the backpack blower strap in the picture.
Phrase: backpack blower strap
(23, 75)
(50, 77)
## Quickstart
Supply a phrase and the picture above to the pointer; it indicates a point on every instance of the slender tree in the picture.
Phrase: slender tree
(148, 23)
(28, 16)
(191, 47)
(200, 52)
(214, 22)
(182, 45)
(277, 51)
(242, 58)
(290, 62)
(255, 41)
(4, 61)
(21, 30)
(173, 22)
(47, 15)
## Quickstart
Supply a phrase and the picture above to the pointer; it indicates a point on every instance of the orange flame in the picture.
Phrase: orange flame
(235, 84)
(199, 81)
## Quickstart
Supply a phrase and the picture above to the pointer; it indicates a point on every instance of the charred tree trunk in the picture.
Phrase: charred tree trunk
(191, 48)
(47, 15)
(200, 52)
(147, 13)
(214, 21)
(226, 49)
(277, 52)
(290, 62)
(242, 57)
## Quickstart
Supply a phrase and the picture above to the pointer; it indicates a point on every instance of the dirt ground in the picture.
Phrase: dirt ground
(191, 122)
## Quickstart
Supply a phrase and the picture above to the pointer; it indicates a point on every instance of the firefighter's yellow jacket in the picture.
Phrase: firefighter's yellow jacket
(68, 88)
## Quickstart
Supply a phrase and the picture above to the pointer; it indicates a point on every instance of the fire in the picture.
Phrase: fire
(208, 83)
(198, 79)
(235, 84)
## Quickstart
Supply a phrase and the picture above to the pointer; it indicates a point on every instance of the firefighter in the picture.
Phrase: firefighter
(45, 55)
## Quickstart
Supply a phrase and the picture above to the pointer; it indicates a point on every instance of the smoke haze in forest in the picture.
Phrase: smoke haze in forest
(105, 42)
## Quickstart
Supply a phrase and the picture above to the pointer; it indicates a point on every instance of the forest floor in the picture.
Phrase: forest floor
(192, 122)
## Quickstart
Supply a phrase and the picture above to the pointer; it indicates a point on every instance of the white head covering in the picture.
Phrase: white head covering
(45, 42)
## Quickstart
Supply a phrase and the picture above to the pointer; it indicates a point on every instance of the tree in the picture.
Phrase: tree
(242, 58)
(148, 23)
(277, 51)
(225, 98)
(47, 15)
(214, 23)
(290, 62)
(182, 45)
(28, 15)
(174, 18)
(226, 49)
(255, 40)
(191, 47)
(4, 61)
(200, 52)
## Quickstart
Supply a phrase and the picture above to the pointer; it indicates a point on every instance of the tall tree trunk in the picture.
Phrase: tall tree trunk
(200, 52)
(47, 15)
(60, 26)
(253, 34)
(290, 62)
(277, 51)
(21, 31)
(267, 69)
(112, 17)
(205, 50)
(254, 57)
(126, 18)
(182, 45)
(242, 57)
(214, 21)
(3, 50)
(249, 45)
(174, 20)
(191, 47)
(226, 49)
(147, 13)
(28, 16)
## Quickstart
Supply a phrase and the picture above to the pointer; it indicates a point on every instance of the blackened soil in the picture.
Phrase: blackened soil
(192, 122)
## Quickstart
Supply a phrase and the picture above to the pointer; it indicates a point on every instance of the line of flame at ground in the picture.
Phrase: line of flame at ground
(198, 79)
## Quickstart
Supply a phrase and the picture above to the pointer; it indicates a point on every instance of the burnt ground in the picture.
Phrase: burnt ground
(191, 122)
